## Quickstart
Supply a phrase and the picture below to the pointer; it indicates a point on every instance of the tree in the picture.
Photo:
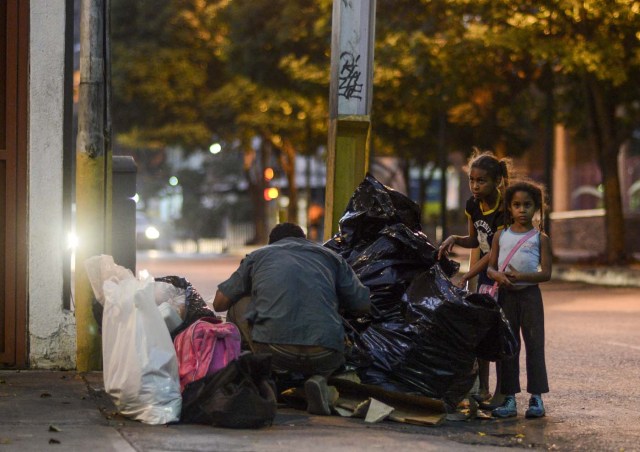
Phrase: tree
(163, 75)
(438, 88)
(282, 48)
(593, 49)
(237, 70)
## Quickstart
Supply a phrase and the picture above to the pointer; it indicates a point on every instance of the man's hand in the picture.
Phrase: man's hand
(221, 302)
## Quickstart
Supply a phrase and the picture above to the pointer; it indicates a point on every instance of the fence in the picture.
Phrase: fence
(580, 234)
(237, 235)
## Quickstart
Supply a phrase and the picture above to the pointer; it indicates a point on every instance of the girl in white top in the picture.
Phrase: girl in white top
(520, 296)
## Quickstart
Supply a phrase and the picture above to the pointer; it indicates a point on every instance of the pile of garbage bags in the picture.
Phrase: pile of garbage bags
(424, 333)
(168, 358)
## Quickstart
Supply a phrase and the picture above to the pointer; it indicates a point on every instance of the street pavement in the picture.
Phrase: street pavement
(593, 356)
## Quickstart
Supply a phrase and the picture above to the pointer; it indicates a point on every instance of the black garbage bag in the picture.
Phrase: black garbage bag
(372, 207)
(377, 213)
(423, 334)
(433, 352)
(196, 307)
(389, 264)
(239, 395)
(500, 341)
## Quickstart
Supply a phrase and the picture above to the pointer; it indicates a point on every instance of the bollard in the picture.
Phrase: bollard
(123, 208)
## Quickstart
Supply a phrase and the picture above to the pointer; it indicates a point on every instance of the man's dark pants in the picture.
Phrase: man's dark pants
(307, 360)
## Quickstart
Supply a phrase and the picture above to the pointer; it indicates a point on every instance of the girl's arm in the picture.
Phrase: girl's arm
(545, 265)
(492, 270)
(476, 268)
(468, 241)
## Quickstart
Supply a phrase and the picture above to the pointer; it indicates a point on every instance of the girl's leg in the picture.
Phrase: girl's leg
(510, 367)
(498, 396)
(533, 337)
(483, 375)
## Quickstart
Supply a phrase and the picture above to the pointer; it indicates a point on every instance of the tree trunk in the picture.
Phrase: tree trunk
(422, 186)
(287, 159)
(602, 112)
(253, 169)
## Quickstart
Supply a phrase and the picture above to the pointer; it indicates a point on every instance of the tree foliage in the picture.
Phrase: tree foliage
(448, 74)
(593, 50)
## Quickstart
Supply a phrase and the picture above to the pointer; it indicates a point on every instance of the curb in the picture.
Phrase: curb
(601, 276)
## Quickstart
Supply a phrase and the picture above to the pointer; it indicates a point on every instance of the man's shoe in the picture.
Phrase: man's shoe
(507, 409)
(317, 393)
(536, 407)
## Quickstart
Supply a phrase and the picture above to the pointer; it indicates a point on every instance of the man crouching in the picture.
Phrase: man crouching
(294, 290)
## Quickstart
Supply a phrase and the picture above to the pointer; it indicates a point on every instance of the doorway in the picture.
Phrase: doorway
(14, 35)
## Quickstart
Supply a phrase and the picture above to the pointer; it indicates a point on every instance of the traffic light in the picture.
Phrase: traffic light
(270, 193)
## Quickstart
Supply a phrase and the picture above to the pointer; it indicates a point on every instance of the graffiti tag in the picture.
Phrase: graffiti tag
(349, 85)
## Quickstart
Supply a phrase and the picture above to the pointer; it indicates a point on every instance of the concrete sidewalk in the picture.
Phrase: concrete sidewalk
(57, 410)
(42, 409)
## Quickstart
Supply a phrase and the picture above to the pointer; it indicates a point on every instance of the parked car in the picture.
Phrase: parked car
(147, 234)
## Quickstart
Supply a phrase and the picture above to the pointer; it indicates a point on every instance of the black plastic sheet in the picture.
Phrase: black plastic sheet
(424, 333)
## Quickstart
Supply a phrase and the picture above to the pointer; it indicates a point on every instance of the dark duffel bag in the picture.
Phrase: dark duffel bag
(238, 396)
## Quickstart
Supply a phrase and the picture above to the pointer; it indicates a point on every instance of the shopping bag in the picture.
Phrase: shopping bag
(140, 368)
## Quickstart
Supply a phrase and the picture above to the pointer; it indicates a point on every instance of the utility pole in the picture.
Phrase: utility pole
(352, 44)
(93, 173)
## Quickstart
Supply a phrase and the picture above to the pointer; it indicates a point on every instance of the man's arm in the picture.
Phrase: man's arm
(352, 294)
(231, 290)
(221, 302)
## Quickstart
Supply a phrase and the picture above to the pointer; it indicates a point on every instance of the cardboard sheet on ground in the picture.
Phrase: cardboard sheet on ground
(407, 408)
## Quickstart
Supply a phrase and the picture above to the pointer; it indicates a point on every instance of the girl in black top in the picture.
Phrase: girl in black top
(488, 176)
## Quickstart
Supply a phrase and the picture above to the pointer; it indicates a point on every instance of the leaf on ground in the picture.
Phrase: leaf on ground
(44, 395)
(482, 434)
(520, 435)
(53, 441)
(53, 428)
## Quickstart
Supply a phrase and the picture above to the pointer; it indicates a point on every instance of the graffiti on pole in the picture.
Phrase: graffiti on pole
(349, 85)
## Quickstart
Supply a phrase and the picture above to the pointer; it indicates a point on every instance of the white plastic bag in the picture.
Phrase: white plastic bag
(102, 268)
(174, 296)
(140, 368)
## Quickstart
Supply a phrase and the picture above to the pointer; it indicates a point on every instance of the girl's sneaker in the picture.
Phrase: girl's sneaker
(507, 409)
(536, 407)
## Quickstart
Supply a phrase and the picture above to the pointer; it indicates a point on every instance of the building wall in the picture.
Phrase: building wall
(580, 234)
(51, 327)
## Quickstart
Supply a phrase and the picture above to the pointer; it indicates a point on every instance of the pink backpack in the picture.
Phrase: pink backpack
(206, 346)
